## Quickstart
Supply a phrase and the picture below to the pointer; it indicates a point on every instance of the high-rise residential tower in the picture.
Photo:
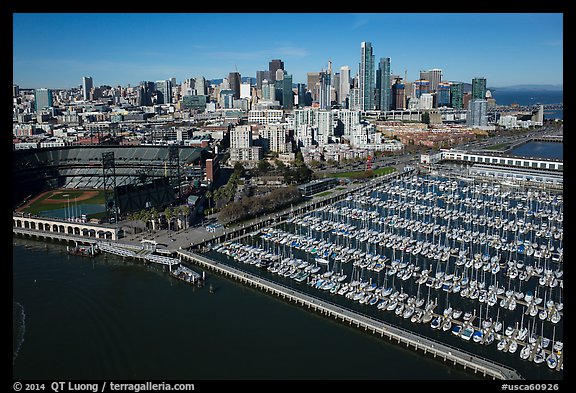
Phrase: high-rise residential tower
(456, 95)
(479, 88)
(366, 74)
(42, 99)
(477, 116)
(344, 83)
(87, 85)
(383, 84)
(164, 92)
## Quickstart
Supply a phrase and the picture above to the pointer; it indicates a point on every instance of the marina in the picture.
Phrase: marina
(479, 264)
(476, 266)
(436, 349)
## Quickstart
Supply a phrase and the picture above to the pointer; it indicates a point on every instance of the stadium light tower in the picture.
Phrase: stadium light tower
(67, 213)
(109, 182)
(174, 166)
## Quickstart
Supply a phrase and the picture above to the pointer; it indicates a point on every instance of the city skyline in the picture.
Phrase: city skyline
(512, 49)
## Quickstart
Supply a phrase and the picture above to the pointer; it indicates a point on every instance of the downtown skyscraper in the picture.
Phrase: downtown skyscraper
(164, 91)
(87, 85)
(274, 66)
(42, 99)
(325, 85)
(344, 84)
(434, 76)
(235, 80)
(383, 84)
(287, 93)
(366, 74)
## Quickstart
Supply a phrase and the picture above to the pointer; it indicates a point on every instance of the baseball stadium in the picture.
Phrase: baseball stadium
(99, 181)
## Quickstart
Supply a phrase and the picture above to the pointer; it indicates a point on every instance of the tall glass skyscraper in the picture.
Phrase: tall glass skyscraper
(164, 91)
(383, 84)
(478, 88)
(366, 74)
(456, 96)
(443, 94)
(301, 95)
(287, 93)
(325, 84)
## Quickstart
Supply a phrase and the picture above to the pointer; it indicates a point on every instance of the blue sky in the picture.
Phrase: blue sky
(57, 50)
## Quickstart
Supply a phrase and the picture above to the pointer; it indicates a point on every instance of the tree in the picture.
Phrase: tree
(239, 169)
(314, 164)
(184, 210)
(263, 167)
(426, 118)
(303, 174)
(299, 158)
(168, 213)
(154, 216)
(209, 197)
(280, 165)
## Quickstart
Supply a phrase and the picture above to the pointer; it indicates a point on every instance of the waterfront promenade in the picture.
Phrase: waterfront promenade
(447, 353)
(198, 237)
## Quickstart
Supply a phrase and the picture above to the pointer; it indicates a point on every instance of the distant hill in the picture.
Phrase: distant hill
(244, 80)
(528, 88)
(216, 82)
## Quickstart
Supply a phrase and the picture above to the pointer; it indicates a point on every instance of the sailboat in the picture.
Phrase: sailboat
(552, 359)
(497, 325)
(526, 351)
(522, 332)
(513, 346)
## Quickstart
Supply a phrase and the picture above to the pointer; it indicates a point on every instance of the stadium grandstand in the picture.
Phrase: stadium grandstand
(38, 170)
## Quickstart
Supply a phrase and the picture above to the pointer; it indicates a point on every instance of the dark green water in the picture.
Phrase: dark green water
(103, 318)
